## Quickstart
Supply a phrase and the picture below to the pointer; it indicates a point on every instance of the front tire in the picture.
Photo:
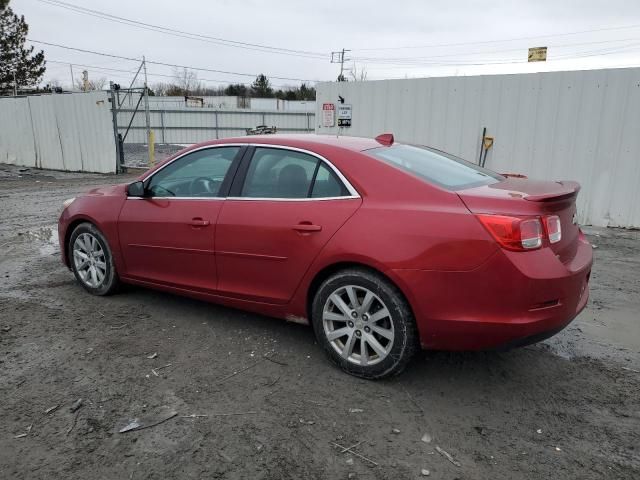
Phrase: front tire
(91, 260)
(364, 324)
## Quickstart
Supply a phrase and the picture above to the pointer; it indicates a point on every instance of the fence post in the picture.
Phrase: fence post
(308, 126)
(152, 148)
(263, 119)
(121, 152)
(162, 124)
(116, 137)
(216, 115)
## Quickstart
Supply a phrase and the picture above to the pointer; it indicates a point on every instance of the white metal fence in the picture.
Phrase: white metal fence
(223, 102)
(581, 125)
(200, 124)
(72, 132)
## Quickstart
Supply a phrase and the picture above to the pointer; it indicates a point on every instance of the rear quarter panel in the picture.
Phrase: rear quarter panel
(403, 224)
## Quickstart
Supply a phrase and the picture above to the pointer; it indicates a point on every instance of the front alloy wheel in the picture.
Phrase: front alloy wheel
(91, 260)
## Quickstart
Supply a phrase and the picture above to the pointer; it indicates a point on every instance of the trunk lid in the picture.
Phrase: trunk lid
(524, 197)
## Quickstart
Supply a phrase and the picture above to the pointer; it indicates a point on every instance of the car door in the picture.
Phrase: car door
(167, 236)
(284, 206)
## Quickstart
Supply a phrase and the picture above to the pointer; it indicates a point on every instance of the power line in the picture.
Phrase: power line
(119, 70)
(166, 64)
(480, 42)
(591, 53)
(463, 54)
(184, 34)
(109, 69)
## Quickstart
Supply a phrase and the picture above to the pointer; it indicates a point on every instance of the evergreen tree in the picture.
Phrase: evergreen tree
(261, 87)
(18, 65)
(236, 89)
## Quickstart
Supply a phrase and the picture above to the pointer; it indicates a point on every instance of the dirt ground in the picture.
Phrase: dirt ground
(566, 408)
(137, 154)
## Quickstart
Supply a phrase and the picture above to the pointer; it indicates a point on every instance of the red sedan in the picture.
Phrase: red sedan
(382, 247)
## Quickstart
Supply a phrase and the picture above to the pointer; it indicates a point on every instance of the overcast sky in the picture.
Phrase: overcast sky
(487, 37)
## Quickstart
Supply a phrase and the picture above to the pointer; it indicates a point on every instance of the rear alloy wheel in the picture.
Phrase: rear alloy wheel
(91, 260)
(364, 323)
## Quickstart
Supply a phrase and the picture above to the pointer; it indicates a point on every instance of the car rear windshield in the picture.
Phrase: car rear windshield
(435, 166)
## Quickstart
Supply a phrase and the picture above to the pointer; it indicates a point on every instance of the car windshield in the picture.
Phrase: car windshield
(435, 166)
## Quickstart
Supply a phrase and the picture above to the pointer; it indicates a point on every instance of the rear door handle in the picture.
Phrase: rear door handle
(307, 227)
(199, 222)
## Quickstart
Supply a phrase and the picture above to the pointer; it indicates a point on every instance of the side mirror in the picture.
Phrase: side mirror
(136, 189)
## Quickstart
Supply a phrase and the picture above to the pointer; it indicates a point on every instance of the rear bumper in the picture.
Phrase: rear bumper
(515, 298)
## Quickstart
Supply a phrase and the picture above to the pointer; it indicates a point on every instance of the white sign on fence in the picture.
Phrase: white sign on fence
(344, 115)
(328, 114)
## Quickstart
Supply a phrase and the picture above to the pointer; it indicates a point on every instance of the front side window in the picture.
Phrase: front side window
(435, 167)
(197, 174)
(281, 173)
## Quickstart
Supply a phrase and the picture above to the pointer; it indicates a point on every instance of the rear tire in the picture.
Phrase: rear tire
(91, 260)
(364, 324)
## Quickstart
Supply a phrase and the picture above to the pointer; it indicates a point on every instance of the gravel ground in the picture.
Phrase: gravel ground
(137, 154)
(565, 408)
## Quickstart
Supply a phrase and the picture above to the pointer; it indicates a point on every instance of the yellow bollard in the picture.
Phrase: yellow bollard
(152, 148)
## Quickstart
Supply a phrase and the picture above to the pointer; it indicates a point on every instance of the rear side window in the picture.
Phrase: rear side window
(327, 184)
(281, 173)
(435, 167)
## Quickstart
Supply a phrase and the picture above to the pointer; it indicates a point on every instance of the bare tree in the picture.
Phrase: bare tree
(160, 88)
(97, 84)
(187, 81)
(358, 75)
(54, 84)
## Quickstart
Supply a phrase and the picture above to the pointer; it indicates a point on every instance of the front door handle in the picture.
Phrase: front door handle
(307, 227)
(199, 222)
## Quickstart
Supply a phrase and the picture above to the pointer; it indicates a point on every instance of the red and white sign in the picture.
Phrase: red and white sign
(328, 114)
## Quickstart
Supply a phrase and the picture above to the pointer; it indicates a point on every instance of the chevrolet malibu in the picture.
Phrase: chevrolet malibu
(382, 247)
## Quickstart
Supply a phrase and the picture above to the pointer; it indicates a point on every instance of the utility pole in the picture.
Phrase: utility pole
(338, 57)
(15, 85)
(85, 80)
(71, 70)
(150, 135)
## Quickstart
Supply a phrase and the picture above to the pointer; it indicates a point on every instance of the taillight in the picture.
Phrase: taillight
(531, 233)
(514, 233)
(553, 227)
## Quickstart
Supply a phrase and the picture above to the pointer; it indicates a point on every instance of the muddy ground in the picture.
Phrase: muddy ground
(566, 408)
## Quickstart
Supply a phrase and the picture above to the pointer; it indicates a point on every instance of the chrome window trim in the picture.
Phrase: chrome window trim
(281, 199)
(178, 198)
(353, 193)
(206, 147)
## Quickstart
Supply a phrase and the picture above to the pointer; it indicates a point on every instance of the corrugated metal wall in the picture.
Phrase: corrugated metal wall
(221, 102)
(201, 124)
(72, 132)
(177, 102)
(581, 125)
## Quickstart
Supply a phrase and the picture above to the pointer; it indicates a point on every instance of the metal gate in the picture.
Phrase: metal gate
(172, 129)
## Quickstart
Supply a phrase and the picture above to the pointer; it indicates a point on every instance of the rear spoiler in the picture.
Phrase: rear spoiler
(513, 175)
(568, 189)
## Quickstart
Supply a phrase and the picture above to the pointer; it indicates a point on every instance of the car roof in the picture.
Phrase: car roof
(307, 141)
